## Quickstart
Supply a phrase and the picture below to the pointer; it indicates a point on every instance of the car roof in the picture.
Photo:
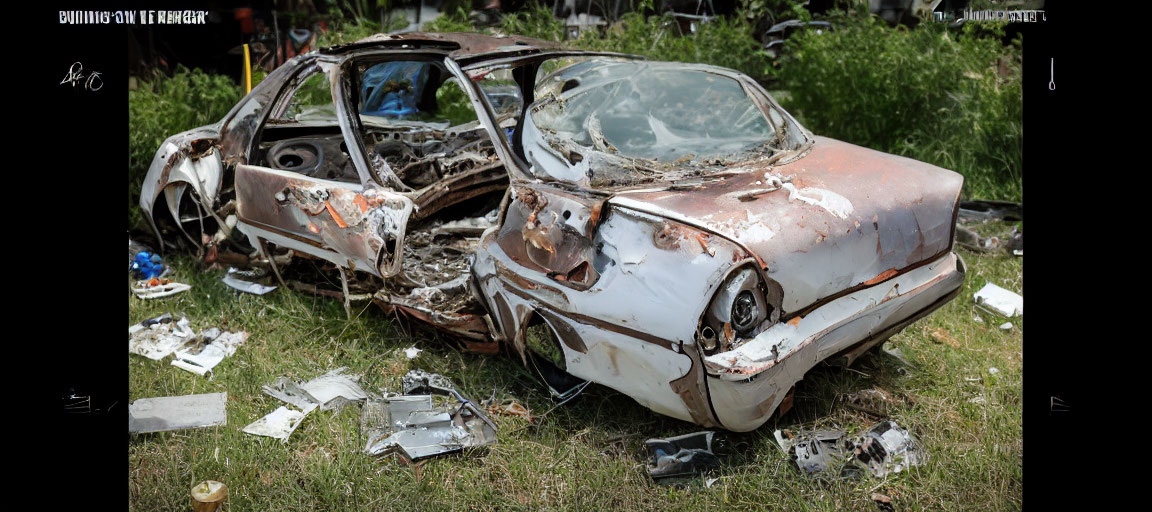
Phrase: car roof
(461, 46)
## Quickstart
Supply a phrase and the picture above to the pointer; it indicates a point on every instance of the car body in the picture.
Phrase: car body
(664, 229)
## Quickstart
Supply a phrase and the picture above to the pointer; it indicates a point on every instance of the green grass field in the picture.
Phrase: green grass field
(586, 454)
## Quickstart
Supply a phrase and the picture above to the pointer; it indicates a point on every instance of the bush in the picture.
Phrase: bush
(953, 100)
(165, 106)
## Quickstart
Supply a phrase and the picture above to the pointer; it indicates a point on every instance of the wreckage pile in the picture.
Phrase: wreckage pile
(882, 450)
(157, 338)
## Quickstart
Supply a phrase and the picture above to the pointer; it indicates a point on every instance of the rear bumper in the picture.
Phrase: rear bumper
(747, 384)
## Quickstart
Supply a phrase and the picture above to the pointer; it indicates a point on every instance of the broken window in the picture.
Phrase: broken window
(311, 101)
(649, 110)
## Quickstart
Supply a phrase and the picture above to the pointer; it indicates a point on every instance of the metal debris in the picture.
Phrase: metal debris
(813, 451)
(423, 425)
(166, 413)
(680, 456)
(884, 449)
(995, 298)
(202, 353)
(887, 448)
(332, 390)
(157, 337)
(278, 424)
(240, 280)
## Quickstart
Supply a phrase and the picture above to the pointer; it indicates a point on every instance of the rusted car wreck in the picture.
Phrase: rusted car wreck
(663, 229)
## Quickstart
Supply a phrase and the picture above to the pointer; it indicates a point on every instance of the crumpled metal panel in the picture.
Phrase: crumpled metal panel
(843, 216)
(337, 216)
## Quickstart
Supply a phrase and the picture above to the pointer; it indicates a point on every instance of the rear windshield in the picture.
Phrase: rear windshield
(651, 110)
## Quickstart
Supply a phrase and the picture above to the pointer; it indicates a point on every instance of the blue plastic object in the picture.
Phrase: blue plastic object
(147, 265)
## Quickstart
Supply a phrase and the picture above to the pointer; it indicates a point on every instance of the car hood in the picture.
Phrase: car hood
(845, 216)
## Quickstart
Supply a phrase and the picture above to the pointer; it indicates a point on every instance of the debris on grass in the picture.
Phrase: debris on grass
(1004, 302)
(1006, 326)
(156, 288)
(812, 451)
(418, 426)
(993, 370)
(332, 390)
(412, 352)
(166, 413)
(278, 424)
(510, 408)
(246, 281)
(157, 337)
(675, 458)
(146, 265)
(882, 450)
(207, 349)
(886, 448)
(207, 496)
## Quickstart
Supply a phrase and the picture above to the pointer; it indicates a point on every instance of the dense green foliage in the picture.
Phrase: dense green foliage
(953, 100)
(163, 107)
(950, 99)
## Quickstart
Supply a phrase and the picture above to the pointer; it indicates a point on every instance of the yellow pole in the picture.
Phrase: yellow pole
(247, 71)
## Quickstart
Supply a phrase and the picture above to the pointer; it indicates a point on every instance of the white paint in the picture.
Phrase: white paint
(832, 202)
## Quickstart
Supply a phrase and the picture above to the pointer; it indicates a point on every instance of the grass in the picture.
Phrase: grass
(587, 454)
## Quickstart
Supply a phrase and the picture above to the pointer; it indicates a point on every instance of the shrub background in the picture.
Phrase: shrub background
(946, 98)
(950, 99)
(165, 106)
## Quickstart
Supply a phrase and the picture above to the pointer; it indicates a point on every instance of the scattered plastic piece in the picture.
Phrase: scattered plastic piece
(147, 265)
(1006, 326)
(1002, 301)
(177, 412)
(681, 456)
(412, 352)
(200, 358)
(155, 338)
(156, 288)
(993, 370)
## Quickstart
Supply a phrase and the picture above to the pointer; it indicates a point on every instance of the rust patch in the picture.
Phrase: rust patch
(336, 216)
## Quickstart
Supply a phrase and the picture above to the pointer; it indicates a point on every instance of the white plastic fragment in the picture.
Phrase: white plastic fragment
(236, 283)
(1006, 326)
(993, 370)
(223, 345)
(278, 424)
(143, 291)
(412, 352)
(998, 299)
(166, 413)
(160, 338)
